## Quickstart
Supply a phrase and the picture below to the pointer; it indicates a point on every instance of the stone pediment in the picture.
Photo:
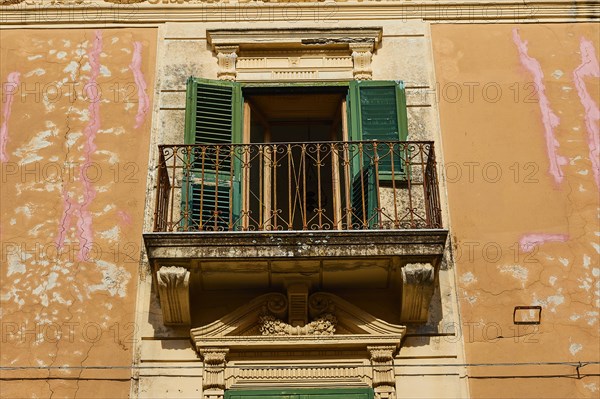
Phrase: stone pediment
(329, 317)
(279, 340)
(270, 322)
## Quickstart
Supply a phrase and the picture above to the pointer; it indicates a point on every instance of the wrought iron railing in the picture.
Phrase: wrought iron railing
(297, 186)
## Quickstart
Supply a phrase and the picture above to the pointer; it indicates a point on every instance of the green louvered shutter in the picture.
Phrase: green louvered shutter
(211, 189)
(377, 111)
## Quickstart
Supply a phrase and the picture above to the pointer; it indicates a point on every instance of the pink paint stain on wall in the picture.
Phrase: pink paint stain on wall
(124, 217)
(549, 118)
(84, 224)
(529, 241)
(138, 76)
(10, 88)
(589, 67)
(89, 133)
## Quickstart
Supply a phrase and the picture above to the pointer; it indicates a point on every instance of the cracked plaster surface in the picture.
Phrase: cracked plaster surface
(71, 212)
(530, 237)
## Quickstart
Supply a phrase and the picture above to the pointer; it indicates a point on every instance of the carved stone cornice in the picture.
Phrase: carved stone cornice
(35, 12)
(418, 285)
(291, 38)
(173, 291)
(358, 42)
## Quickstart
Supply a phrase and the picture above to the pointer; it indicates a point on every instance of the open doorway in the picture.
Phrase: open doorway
(292, 184)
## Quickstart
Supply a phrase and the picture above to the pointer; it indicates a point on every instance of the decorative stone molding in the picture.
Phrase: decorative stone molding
(320, 303)
(293, 356)
(417, 290)
(204, 11)
(213, 375)
(293, 54)
(125, 1)
(227, 56)
(361, 57)
(292, 38)
(345, 374)
(173, 291)
(325, 325)
(384, 382)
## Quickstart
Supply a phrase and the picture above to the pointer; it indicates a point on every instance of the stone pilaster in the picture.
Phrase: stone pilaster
(361, 58)
(227, 57)
(213, 375)
(384, 382)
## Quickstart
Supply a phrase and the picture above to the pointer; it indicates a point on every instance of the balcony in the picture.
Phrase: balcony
(297, 186)
(351, 218)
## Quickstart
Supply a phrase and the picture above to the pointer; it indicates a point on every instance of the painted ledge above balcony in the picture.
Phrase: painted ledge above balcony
(425, 244)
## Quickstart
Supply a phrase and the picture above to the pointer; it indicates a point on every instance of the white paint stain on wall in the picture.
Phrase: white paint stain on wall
(114, 279)
(574, 348)
(29, 152)
(591, 386)
(551, 302)
(468, 278)
(17, 260)
(516, 271)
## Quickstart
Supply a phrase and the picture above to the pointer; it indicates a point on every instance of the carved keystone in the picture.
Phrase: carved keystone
(417, 289)
(173, 290)
(227, 57)
(361, 57)
(297, 294)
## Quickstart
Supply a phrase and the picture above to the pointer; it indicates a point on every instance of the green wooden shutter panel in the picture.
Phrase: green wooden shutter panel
(377, 111)
(214, 114)
(379, 115)
(211, 191)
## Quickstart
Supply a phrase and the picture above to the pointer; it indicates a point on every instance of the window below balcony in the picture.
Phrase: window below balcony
(321, 157)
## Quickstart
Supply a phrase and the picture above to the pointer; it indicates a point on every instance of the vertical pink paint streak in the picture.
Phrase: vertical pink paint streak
(89, 147)
(589, 67)
(70, 208)
(549, 118)
(529, 241)
(10, 88)
(138, 76)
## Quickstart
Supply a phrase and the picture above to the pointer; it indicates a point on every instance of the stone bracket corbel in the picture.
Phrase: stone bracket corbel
(227, 58)
(384, 381)
(362, 54)
(418, 285)
(174, 294)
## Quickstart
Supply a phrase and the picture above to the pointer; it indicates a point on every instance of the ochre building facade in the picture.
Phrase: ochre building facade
(307, 200)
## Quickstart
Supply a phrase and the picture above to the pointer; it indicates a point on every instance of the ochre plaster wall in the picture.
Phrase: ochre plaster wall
(519, 125)
(75, 127)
